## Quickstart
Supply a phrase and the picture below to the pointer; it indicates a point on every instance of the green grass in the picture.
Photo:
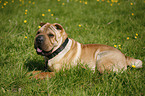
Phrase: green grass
(100, 23)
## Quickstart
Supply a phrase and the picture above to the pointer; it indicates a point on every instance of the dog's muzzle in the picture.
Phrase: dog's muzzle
(40, 39)
(39, 44)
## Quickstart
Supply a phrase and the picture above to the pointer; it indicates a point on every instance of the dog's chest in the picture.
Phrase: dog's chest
(67, 56)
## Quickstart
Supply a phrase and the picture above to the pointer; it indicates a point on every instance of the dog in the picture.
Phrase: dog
(59, 51)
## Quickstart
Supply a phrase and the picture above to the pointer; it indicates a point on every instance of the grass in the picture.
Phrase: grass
(102, 22)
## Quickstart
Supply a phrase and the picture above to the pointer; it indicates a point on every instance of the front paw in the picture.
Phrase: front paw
(40, 75)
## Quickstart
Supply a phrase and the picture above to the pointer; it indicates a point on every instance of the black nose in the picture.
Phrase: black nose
(40, 39)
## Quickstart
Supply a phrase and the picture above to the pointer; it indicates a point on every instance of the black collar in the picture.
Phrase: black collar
(58, 50)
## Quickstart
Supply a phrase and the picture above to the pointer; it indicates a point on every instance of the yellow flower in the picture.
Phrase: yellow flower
(62, 3)
(26, 10)
(22, 2)
(108, 1)
(33, 3)
(86, 2)
(49, 10)
(103, 0)
(43, 14)
(26, 37)
(111, 4)
(114, 1)
(2, 6)
(131, 3)
(119, 45)
(58, 0)
(39, 26)
(25, 13)
(5, 4)
(80, 1)
(80, 25)
(0, 1)
(12, 1)
(132, 14)
(136, 34)
(127, 38)
(118, 3)
(25, 21)
(97, 0)
(51, 14)
(29, 1)
(135, 37)
(115, 45)
(133, 66)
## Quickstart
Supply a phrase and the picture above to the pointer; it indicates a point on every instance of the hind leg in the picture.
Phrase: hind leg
(40, 75)
(111, 61)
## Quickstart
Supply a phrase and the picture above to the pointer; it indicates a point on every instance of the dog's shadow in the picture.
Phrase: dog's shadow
(32, 65)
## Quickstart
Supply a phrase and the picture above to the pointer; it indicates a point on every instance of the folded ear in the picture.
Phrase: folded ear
(58, 26)
(41, 24)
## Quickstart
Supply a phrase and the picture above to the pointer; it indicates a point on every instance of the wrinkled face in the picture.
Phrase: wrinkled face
(48, 38)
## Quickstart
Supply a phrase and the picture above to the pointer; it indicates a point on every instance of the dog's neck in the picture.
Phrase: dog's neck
(57, 51)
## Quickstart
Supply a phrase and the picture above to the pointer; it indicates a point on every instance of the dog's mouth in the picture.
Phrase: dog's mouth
(42, 52)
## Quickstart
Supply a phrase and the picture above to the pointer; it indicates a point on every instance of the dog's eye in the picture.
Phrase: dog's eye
(38, 32)
(50, 35)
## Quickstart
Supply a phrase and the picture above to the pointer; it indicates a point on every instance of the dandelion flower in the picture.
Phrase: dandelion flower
(39, 26)
(114, 1)
(58, 0)
(136, 34)
(111, 4)
(80, 25)
(26, 10)
(2, 6)
(135, 37)
(115, 45)
(25, 21)
(33, 3)
(62, 3)
(86, 2)
(43, 14)
(108, 1)
(127, 38)
(119, 45)
(131, 3)
(5, 4)
(49, 10)
(97, 0)
(133, 66)
(29, 1)
(132, 14)
(25, 13)
(26, 37)
(51, 14)
(0, 1)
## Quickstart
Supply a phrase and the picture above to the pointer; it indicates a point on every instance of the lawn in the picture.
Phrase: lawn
(117, 23)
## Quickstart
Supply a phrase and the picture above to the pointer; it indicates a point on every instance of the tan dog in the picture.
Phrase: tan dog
(60, 52)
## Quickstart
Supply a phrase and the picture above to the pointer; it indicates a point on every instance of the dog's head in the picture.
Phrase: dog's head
(48, 38)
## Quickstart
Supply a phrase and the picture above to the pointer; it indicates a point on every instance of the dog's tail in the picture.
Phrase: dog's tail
(135, 63)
